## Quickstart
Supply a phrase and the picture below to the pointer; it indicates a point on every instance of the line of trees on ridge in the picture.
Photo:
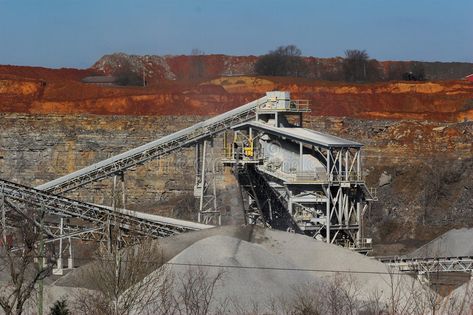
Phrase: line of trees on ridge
(356, 66)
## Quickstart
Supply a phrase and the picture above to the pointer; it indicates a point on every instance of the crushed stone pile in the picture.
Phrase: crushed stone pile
(310, 262)
(242, 286)
(326, 259)
(280, 263)
(454, 243)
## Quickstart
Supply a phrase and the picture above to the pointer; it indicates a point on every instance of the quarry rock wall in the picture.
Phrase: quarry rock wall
(437, 101)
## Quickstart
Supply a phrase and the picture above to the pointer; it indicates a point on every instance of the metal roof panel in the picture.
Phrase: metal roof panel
(302, 134)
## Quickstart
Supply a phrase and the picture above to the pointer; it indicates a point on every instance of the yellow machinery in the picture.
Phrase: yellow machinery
(248, 150)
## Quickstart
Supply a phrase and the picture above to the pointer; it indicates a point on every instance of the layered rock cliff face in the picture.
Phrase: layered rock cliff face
(418, 142)
(423, 174)
(446, 101)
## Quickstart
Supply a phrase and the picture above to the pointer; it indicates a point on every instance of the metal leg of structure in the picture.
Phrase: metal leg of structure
(70, 261)
(328, 215)
(109, 219)
(206, 189)
(358, 165)
(301, 157)
(359, 233)
(118, 202)
(122, 179)
(4, 220)
(214, 193)
(202, 182)
(197, 162)
(346, 164)
(59, 271)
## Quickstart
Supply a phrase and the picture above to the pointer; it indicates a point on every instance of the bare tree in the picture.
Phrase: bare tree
(342, 294)
(307, 300)
(197, 64)
(401, 293)
(23, 261)
(197, 52)
(195, 292)
(283, 61)
(122, 281)
(396, 71)
(358, 66)
(375, 304)
(338, 294)
(355, 65)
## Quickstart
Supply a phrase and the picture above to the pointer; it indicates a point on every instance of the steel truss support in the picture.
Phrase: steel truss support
(205, 188)
(88, 214)
(342, 164)
(431, 265)
(343, 208)
(52, 229)
(343, 198)
(4, 217)
(344, 192)
(325, 195)
(114, 234)
(59, 270)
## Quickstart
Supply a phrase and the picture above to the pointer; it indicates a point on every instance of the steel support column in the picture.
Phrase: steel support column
(202, 182)
(4, 222)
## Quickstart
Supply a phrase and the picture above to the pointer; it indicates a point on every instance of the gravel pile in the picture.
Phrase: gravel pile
(454, 243)
(262, 265)
(309, 262)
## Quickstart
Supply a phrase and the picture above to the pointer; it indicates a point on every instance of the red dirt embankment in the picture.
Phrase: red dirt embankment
(42, 91)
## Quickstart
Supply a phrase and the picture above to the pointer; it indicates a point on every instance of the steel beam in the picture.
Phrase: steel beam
(97, 215)
(431, 265)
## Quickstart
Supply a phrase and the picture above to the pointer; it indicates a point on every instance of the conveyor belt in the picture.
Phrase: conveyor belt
(131, 221)
(430, 264)
(154, 149)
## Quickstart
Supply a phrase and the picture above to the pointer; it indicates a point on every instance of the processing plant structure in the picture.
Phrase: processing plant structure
(298, 179)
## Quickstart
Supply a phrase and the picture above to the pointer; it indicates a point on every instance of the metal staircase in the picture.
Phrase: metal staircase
(271, 206)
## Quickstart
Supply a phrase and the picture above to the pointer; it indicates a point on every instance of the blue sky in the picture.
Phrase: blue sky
(75, 33)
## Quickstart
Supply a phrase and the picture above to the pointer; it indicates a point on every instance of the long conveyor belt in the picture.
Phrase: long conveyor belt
(135, 223)
(154, 149)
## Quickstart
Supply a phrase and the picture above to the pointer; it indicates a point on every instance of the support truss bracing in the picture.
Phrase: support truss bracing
(431, 265)
(58, 206)
(205, 185)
